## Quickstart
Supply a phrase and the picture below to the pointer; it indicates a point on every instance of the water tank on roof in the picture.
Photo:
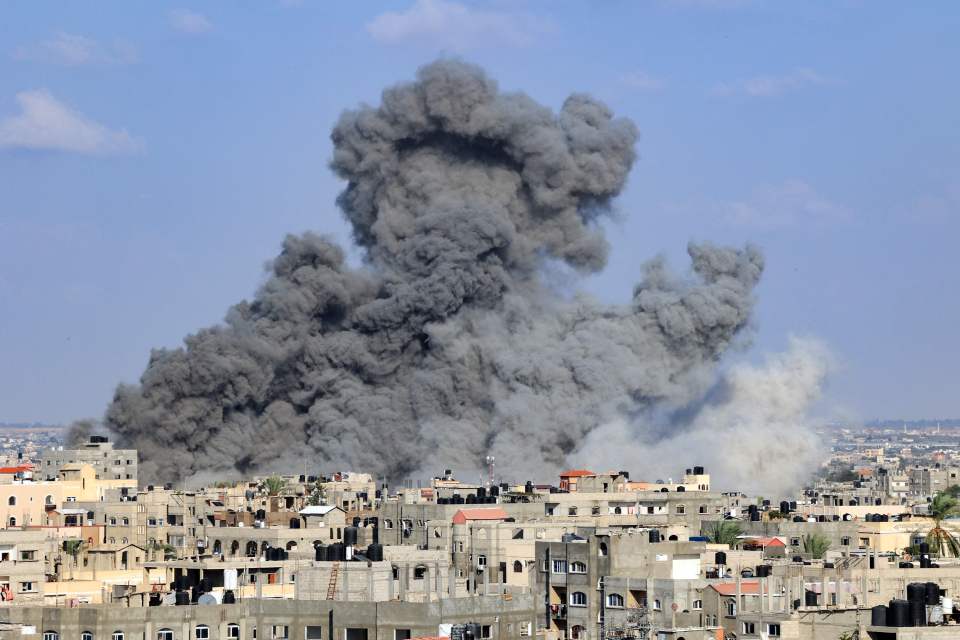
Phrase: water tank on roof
(375, 552)
(878, 616)
(229, 597)
(319, 553)
(918, 613)
(481, 492)
(681, 489)
(784, 507)
(698, 471)
(933, 593)
(350, 536)
(720, 557)
(182, 598)
(898, 613)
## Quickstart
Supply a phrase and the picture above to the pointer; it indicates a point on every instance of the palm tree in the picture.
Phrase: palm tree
(940, 508)
(273, 486)
(725, 532)
(815, 544)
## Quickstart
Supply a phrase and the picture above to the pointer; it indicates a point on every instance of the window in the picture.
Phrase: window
(794, 542)
(615, 600)
(12, 522)
(697, 605)
(481, 561)
(748, 627)
(703, 508)
(845, 541)
(51, 635)
(310, 633)
(602, 549)
(421, 571)
(657, 605)
(773, 630)
(485, 632)
(388, 524)
(165, 634)
(572, 511)
(681, 509)
(559, 566)
(578, 599)
(116, 635)
(201, 632)
(113, 522)
(86, 635)
(280, 632)
(578, 567)
(125, 522)
(48, 500)
(28, 555)
(26, 587)
(731, 609)
(12, 501)
(401, 634)
(517, 566)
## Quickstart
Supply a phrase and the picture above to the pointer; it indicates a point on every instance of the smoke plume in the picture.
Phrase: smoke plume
(752, 430)
(446, 346)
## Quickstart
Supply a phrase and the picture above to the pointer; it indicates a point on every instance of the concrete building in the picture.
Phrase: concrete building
(118, 465)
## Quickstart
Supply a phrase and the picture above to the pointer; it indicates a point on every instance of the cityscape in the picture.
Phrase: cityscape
(479, 320)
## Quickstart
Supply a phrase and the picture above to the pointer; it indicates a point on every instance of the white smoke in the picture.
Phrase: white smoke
(753, 433)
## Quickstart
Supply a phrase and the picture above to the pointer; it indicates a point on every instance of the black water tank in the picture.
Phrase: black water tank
(319, 553)
(294, 523)
(784, 507)
(350, 536)
(917, 592)
(481, 492)
(918, 614)
(799, 519)
(229, 597)
(764, 570)
(810, 599)
(261, 514)
(906, 565)
(933, 593)
(155, 599)
(528, 487)
(375, 552)
(654, 535)
(898, 613)
(336, 552)
(471, 499)
(698, 471)
(755, 517)
(494, 490)
(924, 547)
(181, 598)
(720, 558)
(878, 616)
(798, 559)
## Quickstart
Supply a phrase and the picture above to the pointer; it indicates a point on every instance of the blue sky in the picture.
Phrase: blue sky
(152, 156)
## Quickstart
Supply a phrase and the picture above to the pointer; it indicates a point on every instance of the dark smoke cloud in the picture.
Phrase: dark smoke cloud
(446, 346)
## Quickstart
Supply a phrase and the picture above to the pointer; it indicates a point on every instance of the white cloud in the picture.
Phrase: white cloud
(766, 86)
(792, 202)
(73, 50)
(46, 123)
(190, 22)
(454, 26)
(641, 80)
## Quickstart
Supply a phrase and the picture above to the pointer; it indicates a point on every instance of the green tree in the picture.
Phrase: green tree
(72, 548)
(815, 544)
(953, 491)
(941, 541)
(273, 486)
(318, 495)
(725, 532)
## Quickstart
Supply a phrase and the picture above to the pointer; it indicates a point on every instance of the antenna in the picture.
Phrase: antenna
(490, 465)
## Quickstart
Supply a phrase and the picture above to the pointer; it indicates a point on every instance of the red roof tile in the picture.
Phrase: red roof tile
(492, 513)
(730, 588)
(577, 473)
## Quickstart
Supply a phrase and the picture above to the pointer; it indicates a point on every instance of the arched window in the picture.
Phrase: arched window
(617, 511)
(49, 500)
(201, 632)
(602, 549)
(51, 635)
(615, 600)
(125, 522)
(117, 635)
(217, 547)
(388, 524)
(578, 567)
(234, 547)
(11, 521)
(576, 633)
(86, 635)
(292, 545)
(12, 501)
(252, 549)
(517, 566)
(697, 605)
(233, 631)
(578, 599)
(165, 634)
(124, 540)
(572, 511)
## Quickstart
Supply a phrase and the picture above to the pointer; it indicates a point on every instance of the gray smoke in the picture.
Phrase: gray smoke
(446, 346)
